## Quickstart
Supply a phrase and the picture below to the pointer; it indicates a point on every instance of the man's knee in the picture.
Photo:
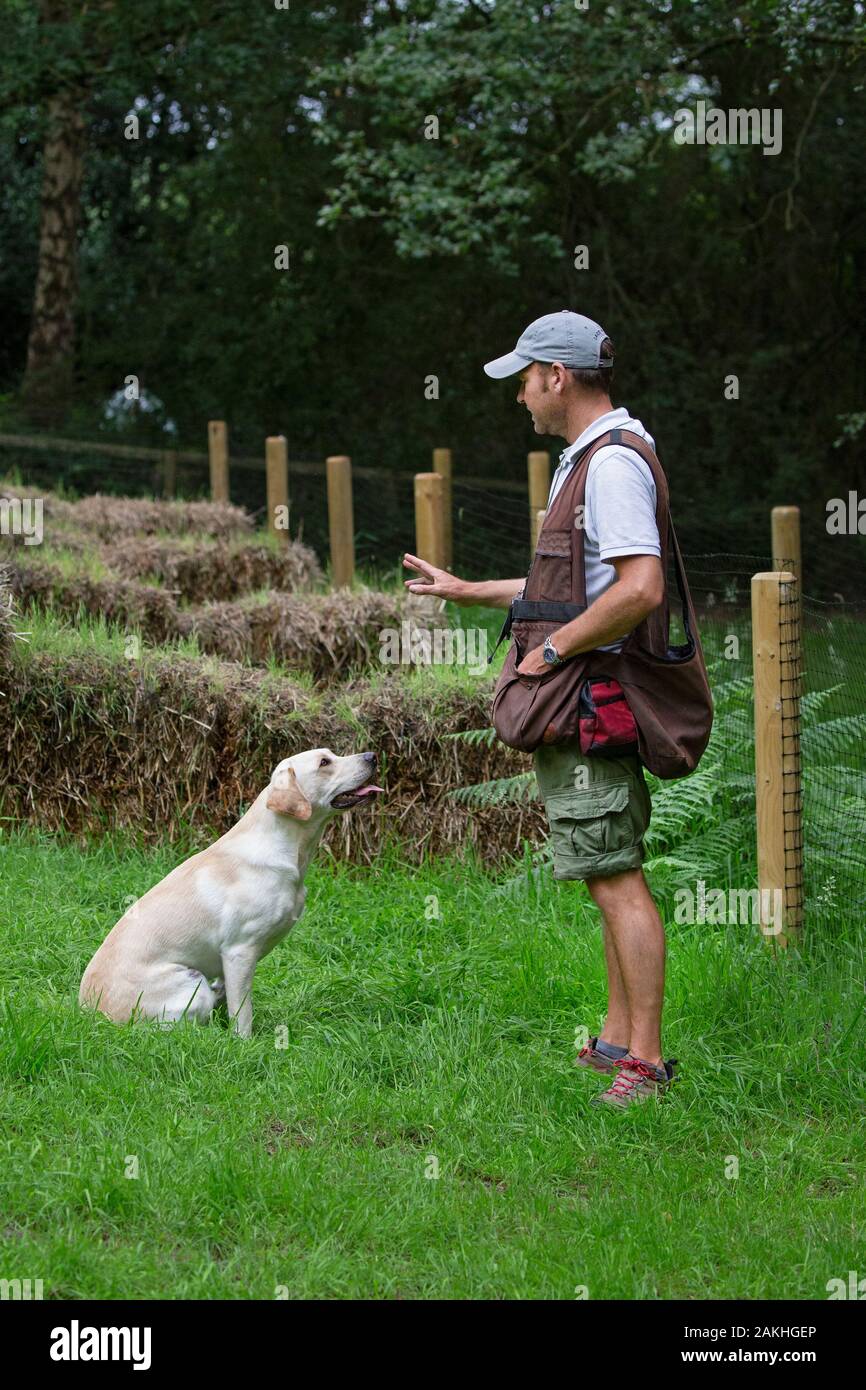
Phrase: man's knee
(611, 890)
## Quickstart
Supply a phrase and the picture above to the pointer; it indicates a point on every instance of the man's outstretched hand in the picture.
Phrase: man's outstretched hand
(436, 582)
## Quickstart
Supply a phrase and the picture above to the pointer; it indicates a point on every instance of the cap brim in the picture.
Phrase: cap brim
(508, 365)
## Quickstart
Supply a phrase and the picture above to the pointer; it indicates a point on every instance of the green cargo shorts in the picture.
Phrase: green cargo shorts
(598, 810)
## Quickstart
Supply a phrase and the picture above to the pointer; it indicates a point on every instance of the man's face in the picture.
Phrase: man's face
(538, 383)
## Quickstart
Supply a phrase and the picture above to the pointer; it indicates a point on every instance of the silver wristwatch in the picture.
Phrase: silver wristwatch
(551, 655)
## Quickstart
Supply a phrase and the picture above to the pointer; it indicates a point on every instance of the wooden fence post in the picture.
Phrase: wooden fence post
(785, 525)
(778, 786)
(538, 464)
(539, 522)
(787, 553)
(277, 466)
(341, 520)
(443, 465)
(429, 529)
(218, 451)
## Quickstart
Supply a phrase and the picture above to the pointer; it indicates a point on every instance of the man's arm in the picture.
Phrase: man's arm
(489, 593)
(639, 588)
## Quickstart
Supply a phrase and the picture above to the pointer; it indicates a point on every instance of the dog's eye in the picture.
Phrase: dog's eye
(324, 762)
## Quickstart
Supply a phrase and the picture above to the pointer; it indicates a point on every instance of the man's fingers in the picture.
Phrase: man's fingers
(413, 563)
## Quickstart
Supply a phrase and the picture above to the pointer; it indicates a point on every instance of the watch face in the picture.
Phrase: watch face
(550, 655)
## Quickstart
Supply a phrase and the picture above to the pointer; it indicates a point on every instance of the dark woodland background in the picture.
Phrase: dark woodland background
(262, 126)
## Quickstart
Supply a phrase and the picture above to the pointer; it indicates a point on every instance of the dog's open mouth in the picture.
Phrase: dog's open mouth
(346, 799)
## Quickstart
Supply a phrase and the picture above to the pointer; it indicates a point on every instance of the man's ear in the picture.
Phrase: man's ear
(286, 797)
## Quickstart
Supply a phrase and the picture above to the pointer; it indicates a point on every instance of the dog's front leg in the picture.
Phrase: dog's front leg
(239, 966)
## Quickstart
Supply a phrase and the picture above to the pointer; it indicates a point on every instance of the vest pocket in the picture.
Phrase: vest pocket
(551, 566)
(528, 633)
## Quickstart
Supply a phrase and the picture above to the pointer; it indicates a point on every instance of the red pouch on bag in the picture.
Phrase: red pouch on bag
(607, 725)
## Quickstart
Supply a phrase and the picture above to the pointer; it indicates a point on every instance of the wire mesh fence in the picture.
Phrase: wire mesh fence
(832, 718)
(822, 639)
(790, 697)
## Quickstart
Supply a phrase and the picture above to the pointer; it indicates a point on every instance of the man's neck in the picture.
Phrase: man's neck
(582, 413)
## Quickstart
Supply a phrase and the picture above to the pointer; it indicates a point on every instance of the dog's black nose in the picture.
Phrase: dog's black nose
(371, 757)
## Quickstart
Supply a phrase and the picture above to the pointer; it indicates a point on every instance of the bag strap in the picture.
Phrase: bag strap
(641, 447)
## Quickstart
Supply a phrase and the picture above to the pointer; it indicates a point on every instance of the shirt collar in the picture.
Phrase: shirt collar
(609, 421)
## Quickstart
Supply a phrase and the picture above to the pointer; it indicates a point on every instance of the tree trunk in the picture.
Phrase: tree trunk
(48, 378)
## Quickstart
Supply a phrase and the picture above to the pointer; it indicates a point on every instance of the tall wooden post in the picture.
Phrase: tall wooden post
(218, 451)
(785, 525)
(538, 464)
(787, 554)
(443, 465)
(277, 468)
(429, 529)
(539, 522)
(778, 789)
(341, 520)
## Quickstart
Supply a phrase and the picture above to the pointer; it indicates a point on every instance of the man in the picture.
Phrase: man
(564, 363)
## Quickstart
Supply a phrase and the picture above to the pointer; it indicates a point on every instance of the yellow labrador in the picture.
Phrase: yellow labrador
(197, 936)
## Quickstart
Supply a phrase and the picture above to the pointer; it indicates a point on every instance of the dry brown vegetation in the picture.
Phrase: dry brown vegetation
(92, 742)
(7, 608)
(216, 570)
(240, 597)
(108, 518)
(323, 633)
(167, 740)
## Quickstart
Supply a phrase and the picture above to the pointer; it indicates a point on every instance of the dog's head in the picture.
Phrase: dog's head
(319, 783)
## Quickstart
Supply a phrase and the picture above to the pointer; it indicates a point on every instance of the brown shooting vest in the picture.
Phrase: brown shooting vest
(666, 687)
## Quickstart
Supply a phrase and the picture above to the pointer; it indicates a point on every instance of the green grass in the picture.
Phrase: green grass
(47, 630)
(427, 1015)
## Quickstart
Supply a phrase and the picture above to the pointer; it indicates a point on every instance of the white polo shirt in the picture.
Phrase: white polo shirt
(620, 502)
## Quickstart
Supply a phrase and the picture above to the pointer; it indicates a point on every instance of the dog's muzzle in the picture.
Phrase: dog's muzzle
(344, 800)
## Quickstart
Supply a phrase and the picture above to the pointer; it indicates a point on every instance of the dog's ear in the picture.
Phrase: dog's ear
(285, 796)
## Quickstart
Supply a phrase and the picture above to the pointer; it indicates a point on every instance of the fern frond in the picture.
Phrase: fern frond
(676, 806)
(814, 699)
(709, 854)
(831, 737)
(475, 736)
(521, 787)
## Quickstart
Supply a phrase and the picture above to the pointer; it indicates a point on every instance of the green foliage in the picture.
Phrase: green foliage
(412, 257)
(410, 1015)
(703, 825)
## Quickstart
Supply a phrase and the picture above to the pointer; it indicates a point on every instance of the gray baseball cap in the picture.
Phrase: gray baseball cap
(566, 337)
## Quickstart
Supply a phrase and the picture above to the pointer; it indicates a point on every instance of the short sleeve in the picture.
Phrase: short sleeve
(621, 505)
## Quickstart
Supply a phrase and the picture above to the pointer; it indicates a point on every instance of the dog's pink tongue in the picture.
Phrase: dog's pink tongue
(362, 791)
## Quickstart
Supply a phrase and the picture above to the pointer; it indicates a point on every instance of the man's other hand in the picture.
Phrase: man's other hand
(437, 582)
(534, 664)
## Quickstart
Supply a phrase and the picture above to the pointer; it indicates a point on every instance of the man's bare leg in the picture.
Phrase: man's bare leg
(617, 1025)
(638, 942)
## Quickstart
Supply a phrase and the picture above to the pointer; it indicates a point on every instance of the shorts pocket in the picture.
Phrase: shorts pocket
(591, 822)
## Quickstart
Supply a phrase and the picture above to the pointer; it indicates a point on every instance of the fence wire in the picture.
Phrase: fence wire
(823, 691)
(790, 694)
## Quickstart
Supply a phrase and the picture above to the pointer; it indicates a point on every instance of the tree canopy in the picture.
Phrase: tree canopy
(433, 168)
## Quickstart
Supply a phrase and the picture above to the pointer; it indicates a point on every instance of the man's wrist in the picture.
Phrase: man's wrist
(566, 648)
(466, 593)
(552, 655)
